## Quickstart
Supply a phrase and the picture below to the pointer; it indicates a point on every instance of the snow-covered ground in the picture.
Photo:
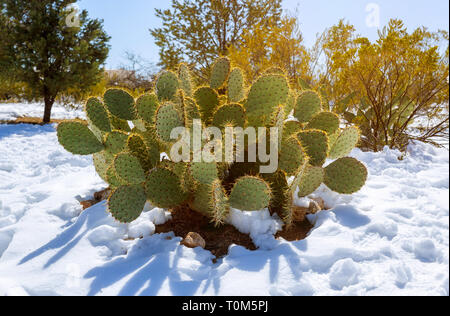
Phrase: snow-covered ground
(11, 111)
(392, 238)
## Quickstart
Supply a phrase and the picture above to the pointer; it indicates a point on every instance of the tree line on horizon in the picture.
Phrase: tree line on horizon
(395, 88)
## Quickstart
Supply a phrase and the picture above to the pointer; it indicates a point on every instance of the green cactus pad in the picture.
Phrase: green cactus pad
(220, 71)
(315, 143)
(278, 122)
(291, 157)
(97, 115)
(204, 172)
(229, 115)
(119, 124)
(166, 86)
(250, 194)
(290, 103)
(77, 138)
(191, 112)
(291, 128)
(163, 188)
(346, 176)
(184, 74)
(208, 101)
(310, 181)
(128, 168)
(111, 177)
(126, 203)
(345, 143)
(278, 184)
(236, 85)
(116, 142)
(219, 203)
(148, 157)
(308, 105)
(102, 161)
(268, 92)
(167, 118)
(120, 103)
(325, 121)
(146, 107)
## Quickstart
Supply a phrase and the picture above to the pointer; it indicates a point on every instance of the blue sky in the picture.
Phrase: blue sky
(128, 22)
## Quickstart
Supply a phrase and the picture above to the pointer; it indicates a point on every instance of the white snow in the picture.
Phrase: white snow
(11, 111)
(391, 238)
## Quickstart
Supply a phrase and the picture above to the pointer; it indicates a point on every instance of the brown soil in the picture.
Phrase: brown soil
(218, 240)
(298, 231)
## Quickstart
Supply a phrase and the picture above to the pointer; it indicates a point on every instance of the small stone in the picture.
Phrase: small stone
(320, 202)
(314, 207)
(300, 213)
(194, 240)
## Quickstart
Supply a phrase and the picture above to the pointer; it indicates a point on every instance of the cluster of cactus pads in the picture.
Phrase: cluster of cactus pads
(129, 159)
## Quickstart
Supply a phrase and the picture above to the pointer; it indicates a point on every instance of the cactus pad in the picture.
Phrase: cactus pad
(204, 172)
(308, 105)
(102, 161)
(128, 168)
(97, 115)
(166, 86)
(315, 143)
(220, 72)
(126, 203)
(184, 75)
(268, 92)
(291, 128)
(112, 178)
(119, 124)
(77, 138)
(325, 121)
(167, 118)
(250, 194)
(236, 85)
(120, 103)
(219, 203)
(163, 188)
(148, 157)
(116, 142)
(292, 156)
(208, 101)
(229, 115)
(146, 107)
(310, 181)
(345, 143)
(346, 176)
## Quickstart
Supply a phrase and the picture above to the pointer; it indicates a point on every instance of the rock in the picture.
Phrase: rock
(314, 208)
(320, 202)
(194, 240)
(300, 213)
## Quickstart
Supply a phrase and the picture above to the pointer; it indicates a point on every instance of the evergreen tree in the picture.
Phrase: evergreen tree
(49, 48)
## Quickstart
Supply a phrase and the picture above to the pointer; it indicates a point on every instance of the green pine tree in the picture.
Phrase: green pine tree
(48, 50)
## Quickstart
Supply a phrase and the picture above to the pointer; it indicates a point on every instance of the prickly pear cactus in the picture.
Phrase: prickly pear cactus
(127, 138)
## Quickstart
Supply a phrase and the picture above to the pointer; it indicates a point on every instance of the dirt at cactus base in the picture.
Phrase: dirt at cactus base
(219, 239)
(298, 231)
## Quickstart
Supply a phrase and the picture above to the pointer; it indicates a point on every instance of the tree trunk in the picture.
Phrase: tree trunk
(48, 100)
